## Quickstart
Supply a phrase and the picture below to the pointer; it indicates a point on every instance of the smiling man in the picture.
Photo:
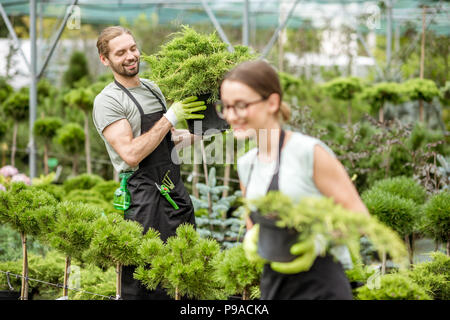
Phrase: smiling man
(131, 117)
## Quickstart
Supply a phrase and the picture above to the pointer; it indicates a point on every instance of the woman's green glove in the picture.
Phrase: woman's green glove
(250, 244)
(307, 251)
(182, 110)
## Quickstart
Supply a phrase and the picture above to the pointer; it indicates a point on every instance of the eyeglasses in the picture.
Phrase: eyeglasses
(239, 107)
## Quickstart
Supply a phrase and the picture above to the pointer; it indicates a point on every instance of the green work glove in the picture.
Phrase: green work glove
(182, 110)
(250, 244)
(307, 251)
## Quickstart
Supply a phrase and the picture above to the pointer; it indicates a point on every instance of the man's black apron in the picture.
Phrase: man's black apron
(148, 206)
(325, 279)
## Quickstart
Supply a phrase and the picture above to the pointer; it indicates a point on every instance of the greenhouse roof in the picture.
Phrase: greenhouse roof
(363, 15)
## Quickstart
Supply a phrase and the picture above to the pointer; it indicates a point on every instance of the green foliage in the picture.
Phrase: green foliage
(437, 216)
(56, 191)
(5, 90)
(404, 187)
(73, 231)
(321, 216)
(16, 105)
(421, 89)
(343, 88)
(3, 130)
(26, 209)
(193, 64)
(81, 98)
(183, 265)
(95, 280)
(393, 287)
(215, 224)
(115, 240)
(77, 70)
(82, 182)
(71, 137)
(46, 128)
(398, 213)
(11, 244)
(49, 269)
(380, 93)
(106, 189)
(90, 197)
(235, 273)
(433, 276)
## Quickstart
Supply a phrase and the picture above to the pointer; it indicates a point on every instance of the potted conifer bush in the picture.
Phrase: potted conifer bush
(183, 265)
(73, 232)
(30, 212)
(236, 273)
(193, 64)
(115, 242)
(320, 220)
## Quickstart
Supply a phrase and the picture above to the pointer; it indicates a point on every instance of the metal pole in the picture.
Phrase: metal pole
(13, 35)
(245, 24)
(277, 32)
(58, 36)
(33, 88)
(216, 24)
(388, 36)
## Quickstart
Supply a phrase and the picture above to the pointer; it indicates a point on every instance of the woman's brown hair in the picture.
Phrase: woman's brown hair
(107, 35)
(261, 77)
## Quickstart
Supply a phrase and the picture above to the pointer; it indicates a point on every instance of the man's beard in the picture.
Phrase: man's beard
(121, 69)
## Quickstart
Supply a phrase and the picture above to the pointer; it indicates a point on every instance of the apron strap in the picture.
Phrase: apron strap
(156, 96)
(274, 182)
(138, 105)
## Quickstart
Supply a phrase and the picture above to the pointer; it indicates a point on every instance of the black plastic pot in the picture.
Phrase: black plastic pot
(211, 122)
(9, 295)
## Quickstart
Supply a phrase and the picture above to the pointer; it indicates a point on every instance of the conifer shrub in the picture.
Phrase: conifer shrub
(82, 182)
(393, 287)
(182, 265)
(114, 241)
(436, 220)
(235, 273)
(433, 276)
(193, 64)
(314, 216)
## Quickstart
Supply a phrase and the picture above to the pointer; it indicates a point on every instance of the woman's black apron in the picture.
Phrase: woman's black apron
(148, 206)
(325, 280)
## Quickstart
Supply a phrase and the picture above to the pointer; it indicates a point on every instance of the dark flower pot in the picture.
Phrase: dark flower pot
(211, 121)
(9, 295)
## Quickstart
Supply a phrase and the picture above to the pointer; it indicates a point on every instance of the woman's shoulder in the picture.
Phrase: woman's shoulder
(304, 144)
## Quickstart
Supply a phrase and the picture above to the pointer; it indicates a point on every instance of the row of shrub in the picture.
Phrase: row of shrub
(78, 220)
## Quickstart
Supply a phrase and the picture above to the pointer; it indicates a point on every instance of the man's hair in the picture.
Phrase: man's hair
(108, 34)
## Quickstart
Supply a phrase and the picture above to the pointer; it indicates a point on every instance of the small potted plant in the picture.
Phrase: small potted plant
(193, 64)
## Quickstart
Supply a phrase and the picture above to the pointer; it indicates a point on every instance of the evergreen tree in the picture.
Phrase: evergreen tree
(46, 129)
(16, 107)
(183, 265)
(77, 70)
(71, 137)
(115, 242)
(236, 273)
(30, 212)
(73, 231)
(344, 89)
(83, 99)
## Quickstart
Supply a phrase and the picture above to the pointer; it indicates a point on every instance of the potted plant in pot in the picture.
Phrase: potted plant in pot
(193, 64)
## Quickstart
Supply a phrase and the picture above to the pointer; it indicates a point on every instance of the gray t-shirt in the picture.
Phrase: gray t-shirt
(113, 104)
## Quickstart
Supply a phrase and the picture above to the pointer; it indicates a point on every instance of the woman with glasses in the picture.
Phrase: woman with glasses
(291, 162)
